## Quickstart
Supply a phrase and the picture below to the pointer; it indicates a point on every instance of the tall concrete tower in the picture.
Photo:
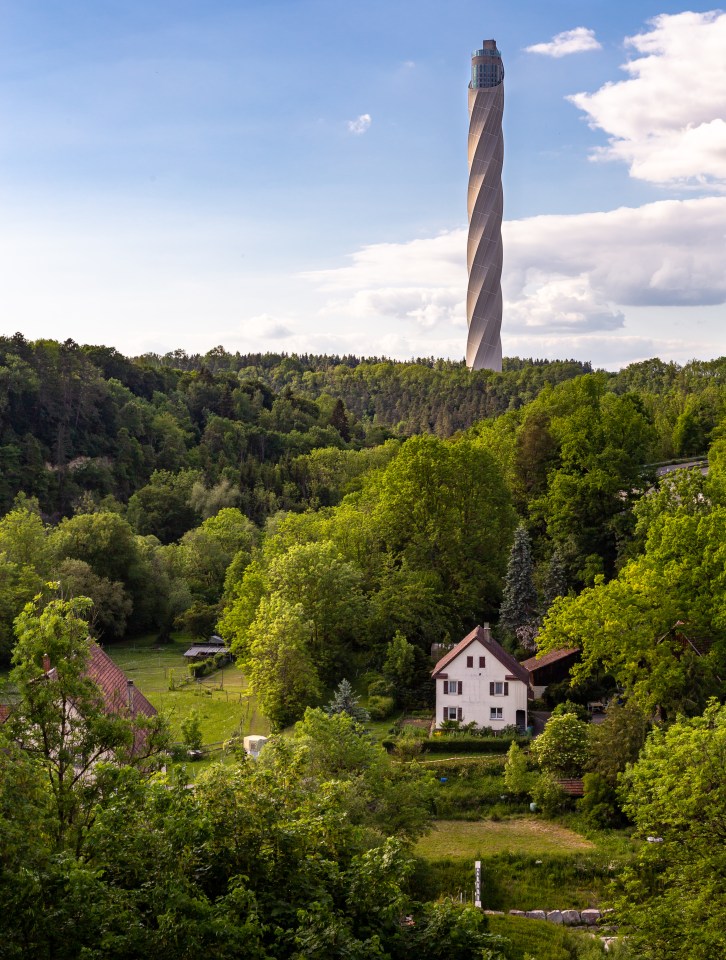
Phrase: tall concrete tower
(485, 202)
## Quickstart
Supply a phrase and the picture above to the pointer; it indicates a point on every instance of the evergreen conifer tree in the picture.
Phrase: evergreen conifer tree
(345, 701)
(518, 612)
(555, 582)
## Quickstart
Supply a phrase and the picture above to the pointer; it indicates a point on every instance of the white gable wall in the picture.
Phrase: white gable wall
(476, 700)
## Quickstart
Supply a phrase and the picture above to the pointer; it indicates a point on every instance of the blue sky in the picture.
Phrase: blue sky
(292, 176)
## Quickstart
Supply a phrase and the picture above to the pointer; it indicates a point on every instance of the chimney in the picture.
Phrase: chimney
(130, 695)
(487, 631)
(46, 663)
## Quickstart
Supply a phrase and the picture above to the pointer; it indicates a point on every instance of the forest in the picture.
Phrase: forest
(331, 518)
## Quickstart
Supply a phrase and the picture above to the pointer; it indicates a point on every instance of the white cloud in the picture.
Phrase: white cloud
(266, 327)
(571, 282)
(666, 120)
(579, 40)
(361, 124)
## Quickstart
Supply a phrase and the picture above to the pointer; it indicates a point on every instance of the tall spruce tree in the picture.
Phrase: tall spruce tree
(555, 581)
(518, 613)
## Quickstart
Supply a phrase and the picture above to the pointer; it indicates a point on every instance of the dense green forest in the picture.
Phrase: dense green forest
(334, 517)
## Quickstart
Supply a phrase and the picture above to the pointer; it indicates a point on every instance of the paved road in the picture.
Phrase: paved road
(670, 467)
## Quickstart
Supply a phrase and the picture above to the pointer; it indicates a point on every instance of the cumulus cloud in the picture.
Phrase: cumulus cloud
(267, 327)
(666, 120)
(567, 278)
(361, 124)
(579, 40)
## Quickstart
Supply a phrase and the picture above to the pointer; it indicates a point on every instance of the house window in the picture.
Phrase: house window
(482, 662)
(452, 686)
(498, 688)
(470, 661)
(495, 713)
(452, 713)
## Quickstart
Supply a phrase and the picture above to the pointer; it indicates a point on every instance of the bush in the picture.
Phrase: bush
(191, 731)
(517, 777)
(380, 707)
(380, 687)
(600, 802)
(569, 706)
(549, 795)
(408, 748)
(563, 748)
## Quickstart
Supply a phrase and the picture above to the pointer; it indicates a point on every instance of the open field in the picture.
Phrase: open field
(482, 838)
(222, 700)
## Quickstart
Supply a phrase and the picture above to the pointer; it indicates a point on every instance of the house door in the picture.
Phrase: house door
(521, 719)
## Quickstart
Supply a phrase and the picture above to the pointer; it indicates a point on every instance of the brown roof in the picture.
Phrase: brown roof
(114, 684)
(573, 787)
(534, 663)
(115, 689)
(484, 636)
(4, 712)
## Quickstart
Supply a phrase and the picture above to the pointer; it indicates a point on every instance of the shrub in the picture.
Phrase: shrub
(563, 748)
(600, 801)
(408, 748)
(569, 706)
(517, 777)
(380, 687)
(380, 707)
(191, 731)
(548, 795)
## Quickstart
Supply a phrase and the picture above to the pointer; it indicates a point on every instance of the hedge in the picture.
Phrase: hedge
(472, 744)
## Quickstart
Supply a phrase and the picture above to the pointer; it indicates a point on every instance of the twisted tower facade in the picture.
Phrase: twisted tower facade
(485, 203)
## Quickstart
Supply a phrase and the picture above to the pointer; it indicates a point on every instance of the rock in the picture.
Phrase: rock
(517, 913)
(536, 915)
(571, 918)
(494, 913)
(554, 916)
(590, 917)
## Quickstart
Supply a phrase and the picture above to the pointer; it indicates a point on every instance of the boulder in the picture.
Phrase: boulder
(517, 913)
(590, 917)
(536, 915)
(571, 918)
(554, 916)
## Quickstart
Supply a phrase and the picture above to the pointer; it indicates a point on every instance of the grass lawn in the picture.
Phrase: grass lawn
(482, 838)
(224, 705)
(545, 941)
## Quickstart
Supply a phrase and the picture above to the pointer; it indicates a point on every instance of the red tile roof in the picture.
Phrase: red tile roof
(4, 712)
(534, 663)
(484, 636)
(573, 787)
(115, 686)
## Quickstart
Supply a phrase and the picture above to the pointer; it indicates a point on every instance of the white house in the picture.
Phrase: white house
(479, 681)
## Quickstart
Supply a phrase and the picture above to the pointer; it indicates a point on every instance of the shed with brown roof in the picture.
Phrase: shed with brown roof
(552, 667)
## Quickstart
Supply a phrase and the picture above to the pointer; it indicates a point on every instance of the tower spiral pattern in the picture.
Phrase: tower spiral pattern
(485, 204)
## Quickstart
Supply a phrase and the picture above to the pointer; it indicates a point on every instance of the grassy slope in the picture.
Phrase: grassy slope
(545, 941)
(485, 838)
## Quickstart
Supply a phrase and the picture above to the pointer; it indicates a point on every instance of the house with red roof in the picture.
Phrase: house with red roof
(120, 694)
(479, 681)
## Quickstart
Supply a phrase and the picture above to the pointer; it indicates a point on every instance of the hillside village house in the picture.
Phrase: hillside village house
(119, 695)
(479, 681)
